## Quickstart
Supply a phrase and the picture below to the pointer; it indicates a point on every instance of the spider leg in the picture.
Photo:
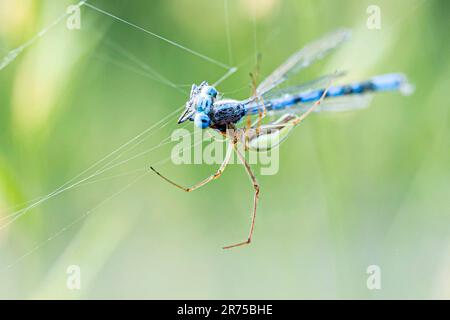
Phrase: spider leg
(212, 177)
(255, 200)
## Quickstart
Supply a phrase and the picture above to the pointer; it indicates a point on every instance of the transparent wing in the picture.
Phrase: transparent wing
(340, 104)
(319, 83)
(303, 58)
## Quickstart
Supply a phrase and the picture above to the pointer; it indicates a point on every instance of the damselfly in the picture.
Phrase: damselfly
(207, 109)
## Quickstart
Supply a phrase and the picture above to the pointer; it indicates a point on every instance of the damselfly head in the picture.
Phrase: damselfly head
(198, 106)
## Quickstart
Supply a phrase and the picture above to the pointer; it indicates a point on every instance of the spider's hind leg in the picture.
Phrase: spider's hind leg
(255, 200)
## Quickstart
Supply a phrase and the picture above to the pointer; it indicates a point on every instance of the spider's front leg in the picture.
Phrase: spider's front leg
(262, 112)
(212, 177)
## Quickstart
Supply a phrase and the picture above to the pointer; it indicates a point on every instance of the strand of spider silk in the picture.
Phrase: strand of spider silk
(165, 160)
(138, 71)
(227, 27)
(225, 76)
(140, 67)
(164, 142)
(85, 215)
(17, 206)
(255, 35)
(139, 143)
(161, 144)
(13, 54)
(123, 174)
(73, 223)
(64, 187)
(143, 65)
(16, 215)
(131, 144)
(246, 60)
(149, 74)
(81, 218)
(120, 175)
(130, 56)
(48, 196)
(193, 52)
(267, 40)
(127, 67)
(246, 87)
(112, 165)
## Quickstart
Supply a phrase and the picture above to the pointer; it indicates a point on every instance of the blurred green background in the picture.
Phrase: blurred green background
(369, 187)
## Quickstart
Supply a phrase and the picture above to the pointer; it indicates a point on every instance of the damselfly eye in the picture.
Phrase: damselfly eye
(202, 120)
(211, 91)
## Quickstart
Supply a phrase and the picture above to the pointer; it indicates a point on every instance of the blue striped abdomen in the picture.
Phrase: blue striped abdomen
(387, 82)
